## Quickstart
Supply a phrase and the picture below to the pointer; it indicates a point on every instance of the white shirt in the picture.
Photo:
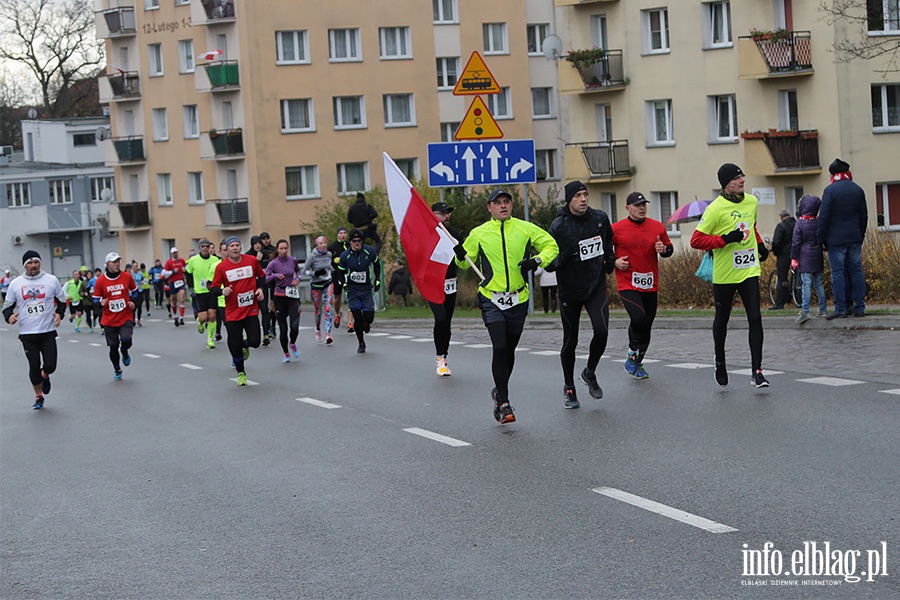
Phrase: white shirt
(34, 301)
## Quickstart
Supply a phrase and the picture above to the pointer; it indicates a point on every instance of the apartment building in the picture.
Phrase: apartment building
(679, 89)
(234, 117)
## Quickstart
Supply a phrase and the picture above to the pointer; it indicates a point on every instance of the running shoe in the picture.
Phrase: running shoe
(211, 345)
(139, 323)
(641, 373)
(201, 327)
(117, 375)
(631, 362)
(759, 380)
(126, 358)
(78, 330)
(569, 397)
(361, 349)
(318, 336)
(590, 379)
(92, 330)
(176, 321)
(721, 373)
(337, 321)
(287, 358)
(181, 320)
(218, 337)
(295, 350)
(266, 339)
(38, 403)
(441, 367)
(328, 339)
(350, 328)
(803, 318)
(367, 327)
(246, 353)
(45, 383)
(242, 379)
(822, 313)
(506, 414)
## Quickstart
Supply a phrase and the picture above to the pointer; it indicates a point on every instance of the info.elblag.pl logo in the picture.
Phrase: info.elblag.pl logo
(815, 563)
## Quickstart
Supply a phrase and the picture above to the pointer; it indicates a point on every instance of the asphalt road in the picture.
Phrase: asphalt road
(330, 479)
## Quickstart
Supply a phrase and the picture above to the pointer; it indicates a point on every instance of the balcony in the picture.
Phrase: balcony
(133, 216)
(228, 214)
(764, 55)
(580, 2)
(786, 152)
(212, 12)
(124, 86)
(117, 22)
(130, 149)
(223, 75)
(607, 161)
(227, 144)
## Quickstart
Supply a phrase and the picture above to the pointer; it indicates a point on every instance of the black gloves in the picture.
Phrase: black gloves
(459, 251)
(377, 284)
(763, 252)
(733, 236)
(528, 265)
(321, 272)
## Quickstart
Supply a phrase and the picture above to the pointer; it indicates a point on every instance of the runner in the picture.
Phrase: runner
(202, 267)
(174, 272)
(284, 272)
(73, 299)
(638, 242)
(138, 276)
(85, 291)
(361, 269)
(500, 248)
(145, 287)
(337, 248)
(158, 283)
(728, 228)
(240, 278)
(96, 308)
(116, 291)
(36, 301)
(443, 313)
(584, 235)
(256, 251)
(319, 268)
(220, 302)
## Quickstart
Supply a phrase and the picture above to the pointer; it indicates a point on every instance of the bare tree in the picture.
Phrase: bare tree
(859, 18)
(14, 97)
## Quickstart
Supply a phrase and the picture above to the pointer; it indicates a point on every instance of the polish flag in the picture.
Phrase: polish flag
(211, 55)
(429, 249)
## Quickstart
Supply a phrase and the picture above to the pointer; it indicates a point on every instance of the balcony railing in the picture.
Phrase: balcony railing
(125, 84)
(794, 149)
(229, 142)
(223, 74)
(120, 21)
(130, 149)
(788, 52)
(233, 211)
(217, 10)
(135, 215)
(606, 159)
(606, 72)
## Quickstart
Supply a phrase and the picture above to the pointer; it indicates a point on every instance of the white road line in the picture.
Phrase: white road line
(377, 334)
(649, 361)
(582, 356)
(152, 355)
(478, 345)
(191, 367)
(832, 381)
(749, 372)
(666, 511)
(234, 379)
(897, 391)
(422, 340)
(399, 337)
(546, 353)
(455, 343)
(437, 437)
(154, 320)
(73, 341)
(318, 403)
(95, 344)
(303, 327)
(3, 329)
(689, 366)
(522, 349)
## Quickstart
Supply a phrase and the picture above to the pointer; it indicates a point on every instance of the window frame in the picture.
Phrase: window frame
(710, 19)
(651, 108)
(96, 189)
(337, 106)
(533, 33)
(404, 38)
(412, 172)
(196, 196)
(493, 104)
(886, 18)
(63, 188)
(352, 37)
(191, 117)
(310, 115)
(185, 56)
(164, 186)
(448, 130)
(487, 34)
(714, 105)
(551, 113)
(443, 74)
(342, 178)
(155, 60)
(305, 171)
(882, 189)
(550, 163)
(439, 18)
(885, 108)
(160, 125)
(388, 106)
(301, 43)
(647, 31)
(18, 194)
(672, 201)
(151, 5)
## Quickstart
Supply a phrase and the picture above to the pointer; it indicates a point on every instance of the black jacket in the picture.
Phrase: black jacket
(400, 282)
(784, 235)
(843, 216)
(579, 279)
(361, 213)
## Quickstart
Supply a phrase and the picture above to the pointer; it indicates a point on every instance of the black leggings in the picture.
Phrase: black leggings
(443, 314)
(287, 308)
(39, 347)
(361, 318)
(723, 294)
(549, 296)
(159, 292)
(116, 336)
(504, 339)
(641, 307)
(570, 312)
(236, 343)
(220, 318)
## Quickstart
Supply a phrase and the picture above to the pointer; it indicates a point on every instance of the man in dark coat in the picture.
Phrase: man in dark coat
(362, 215)
(781, 248)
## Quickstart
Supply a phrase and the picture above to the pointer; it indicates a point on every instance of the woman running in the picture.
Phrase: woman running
(284, 270)
(319, 268)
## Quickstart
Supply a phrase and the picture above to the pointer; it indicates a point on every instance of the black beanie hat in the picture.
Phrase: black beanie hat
(572, 188)
(838, 166)
(360, 196)
(727, 172)
(29, 255)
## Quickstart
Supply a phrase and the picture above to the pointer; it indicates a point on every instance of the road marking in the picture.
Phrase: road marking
(318, 403)
(154, 320)
(422, 340)
(377, 334)
(152, 355)
(666, 511)
(437, 437)
(73, 341)
(897, 392)
(95, 344)
(832, 381)
(399, 337)
(582, 356)
(749, 372)
(190, 366)
(3, 329)
(689, 366)
(522, 349)
(455, 343)
(546, 353)
(650, 361)
(478, 345)
(234, 379)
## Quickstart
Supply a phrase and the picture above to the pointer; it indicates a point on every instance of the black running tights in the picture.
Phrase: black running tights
(361, 318)
(287, 308)
(641, 308)
(597, 307)
(723, 294)
(40, 347)
(443, 315)
(236, 344)
(116, 336)
(504, 339)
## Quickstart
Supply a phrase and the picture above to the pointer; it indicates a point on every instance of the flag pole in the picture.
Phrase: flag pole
(468, 260)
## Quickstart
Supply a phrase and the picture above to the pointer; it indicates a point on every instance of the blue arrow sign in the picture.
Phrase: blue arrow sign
(494, 162)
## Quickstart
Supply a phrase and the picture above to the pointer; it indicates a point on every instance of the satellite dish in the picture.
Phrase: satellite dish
(32, 113)
(101, 134)
(552, 47)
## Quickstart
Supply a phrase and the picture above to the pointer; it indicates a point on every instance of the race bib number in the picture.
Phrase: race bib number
(505, 300)
(642, 281)
(245, 299)
(35, 308)
(178, 284)
(359, 276)
(590, 248)
(239, 273)
(744, 259)
(292, 291)
(116, 305)
(204, 284)
(450, 286)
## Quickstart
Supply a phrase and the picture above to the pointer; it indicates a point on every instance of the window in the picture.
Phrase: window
(195, 187)
(444, 11)
(655, 24)
(155, 59)
(151, 4)
(536, 35)
(545, 165)
(717, 25)
(182, 2)
(186, 56)
(394, 43)
(409, 166)
(887, 205)
(448, 131)
(540, 103)
(792, 197)
(668, 204)
(608, 204)
(399, 110)
(98, 184)
(352, 177)
(500, 104)
(292, 47)
(722, 118)
(191, 122)
(886, 107)
(84, 139)
(301, 182)
(788, 118)
(349, 112)
(883, 16)
(160, 125)
(343, 45)
(18, 195)
(164, 188)
(447, 72)
(299, 247)
(60, 191)
(495, 38)
(297, 115)
(660, 130)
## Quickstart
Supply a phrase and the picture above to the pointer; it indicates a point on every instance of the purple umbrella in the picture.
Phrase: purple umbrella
(689, 212)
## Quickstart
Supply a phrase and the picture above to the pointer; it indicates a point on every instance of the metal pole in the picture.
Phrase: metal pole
(530, 274)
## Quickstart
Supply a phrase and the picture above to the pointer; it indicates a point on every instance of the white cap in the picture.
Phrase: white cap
(112, 257)
(173, 250)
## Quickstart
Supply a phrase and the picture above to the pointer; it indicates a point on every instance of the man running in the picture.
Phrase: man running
(728, 228)
(174, 271)
(501, 248)
(638, 242)
(73, 299)
(240, 279)
(116, 292)
(443, 313)
(318, 268)
(283, 272)
(202, 267)
(158, 283)
(337, 248)
(584, 236)
(36, 301)
(361, 269)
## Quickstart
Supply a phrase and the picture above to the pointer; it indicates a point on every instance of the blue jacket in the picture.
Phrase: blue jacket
(843, 216)
(805, 248)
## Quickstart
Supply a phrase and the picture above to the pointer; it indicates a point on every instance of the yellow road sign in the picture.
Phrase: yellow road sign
(478, 124)
(476, 79)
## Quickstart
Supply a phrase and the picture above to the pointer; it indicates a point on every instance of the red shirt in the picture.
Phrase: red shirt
(637, 241)
(118, 291)
(241, 277)
(172, 265)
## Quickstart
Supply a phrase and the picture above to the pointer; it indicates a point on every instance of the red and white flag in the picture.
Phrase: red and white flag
(429, 249)
(210, 55)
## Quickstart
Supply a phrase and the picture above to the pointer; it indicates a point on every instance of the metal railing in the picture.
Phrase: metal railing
(233, 211)
(218, 9)
(227, 142)
(134, 214)
(130, 149)
(120, 21)
(799, 151)
(607, 71)
(785, 53)
(125, 84)
(606, 159)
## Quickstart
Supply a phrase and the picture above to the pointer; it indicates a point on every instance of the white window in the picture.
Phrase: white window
(500, 104)
(792, 197)
(394, 43)
(666, 203)
(80, 140)
(788, 116)
(18, 195)
(545, 165)
(537, 33)
(195, 187)
(717, 25)
(608, 204)
(151, 4)
(297, 115)
(191, 122)
(182, 2)
(541, 107)
(352, 177)
(300, 247)
(98, 184)
(884, 16)
(722, 118)
(160, 125)
(349, 112)
(655, 25)
(399, 110)
(343, 45)
(409, 166)
(155, 59)
(447, 72)
(887, 206)
(164, 188)
(292, 47)
(660, 127)
(60, 191)
(444, 11)
(448, 131)
(301, 182)
(495, 38)
(186, 56)
(886, 107)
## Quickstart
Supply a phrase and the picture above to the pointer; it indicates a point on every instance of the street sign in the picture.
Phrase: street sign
(478, 124)
(497, 162)
(476, 79)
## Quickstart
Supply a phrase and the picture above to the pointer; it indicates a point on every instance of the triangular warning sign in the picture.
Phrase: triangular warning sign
(476, 79)
(478, 124)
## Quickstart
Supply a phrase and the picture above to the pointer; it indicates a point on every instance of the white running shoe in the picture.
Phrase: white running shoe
(441, 367)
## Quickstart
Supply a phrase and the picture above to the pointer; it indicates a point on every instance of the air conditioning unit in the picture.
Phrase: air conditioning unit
(17, 240)
(6, 150)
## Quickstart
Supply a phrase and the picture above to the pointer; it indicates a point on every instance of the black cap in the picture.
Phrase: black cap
(355, 234)
(254, 239)
(838, 166)
(635, 198)
(441, 207)
(205, 242)
(265, 234)
(29, 254)
(360, 196)
(727, 172)
(497, 193)
(572, 188)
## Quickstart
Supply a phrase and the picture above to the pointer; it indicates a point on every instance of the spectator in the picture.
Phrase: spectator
(362, 215)
(806, 256)
(781, 248)
(400, 285)
(547, 281)
(4, 283)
